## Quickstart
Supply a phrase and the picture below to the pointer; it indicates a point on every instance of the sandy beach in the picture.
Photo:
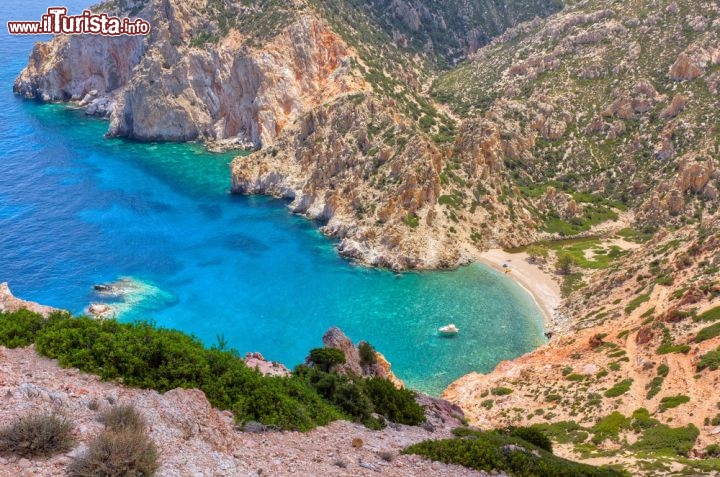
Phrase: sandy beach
(539, 284)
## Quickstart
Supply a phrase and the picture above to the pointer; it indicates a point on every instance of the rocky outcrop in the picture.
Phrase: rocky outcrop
(256, 360)
(9, 303)
(684, 68)
(335, 338)
(333, 169)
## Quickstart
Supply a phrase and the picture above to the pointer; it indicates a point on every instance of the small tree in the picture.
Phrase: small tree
(537, 253)
(564, 263)
(326, 358)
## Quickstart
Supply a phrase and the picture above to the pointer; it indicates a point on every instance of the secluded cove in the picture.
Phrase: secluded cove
(77, 209)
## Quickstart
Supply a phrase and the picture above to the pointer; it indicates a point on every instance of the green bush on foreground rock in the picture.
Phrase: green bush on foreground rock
(326, 358)
(39, 435)
(142, 355)
(495, 451)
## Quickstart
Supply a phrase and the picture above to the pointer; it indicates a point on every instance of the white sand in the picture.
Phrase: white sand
(538, 283)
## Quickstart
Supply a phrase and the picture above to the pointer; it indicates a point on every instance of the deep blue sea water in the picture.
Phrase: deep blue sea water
(77, 209)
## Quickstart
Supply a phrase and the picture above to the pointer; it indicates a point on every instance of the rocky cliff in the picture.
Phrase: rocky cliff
(181, 83)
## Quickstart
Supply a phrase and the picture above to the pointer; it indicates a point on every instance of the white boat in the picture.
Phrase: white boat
(448, 330)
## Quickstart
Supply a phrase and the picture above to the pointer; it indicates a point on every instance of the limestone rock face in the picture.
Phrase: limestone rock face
(70, 67)
(9, 303)
(335, 338)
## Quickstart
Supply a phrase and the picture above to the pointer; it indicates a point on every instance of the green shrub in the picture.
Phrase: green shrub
(663, 370)
(708, 332)
(619, 388)
(636, 302)
(398, 405)
(710, 360)
(37, 436)
(564, 263)
(498, 452)
(326, 358)
(19, 328)
(411, 220)
(641, 420)
(654, 386)
(564, 432)
(713, 450)
(667, 348)
(501, 391)
(712, 314)
(609, 427)
(663, 439)
(113, 454)
(532, 435)
(669, 402)
(360, 398)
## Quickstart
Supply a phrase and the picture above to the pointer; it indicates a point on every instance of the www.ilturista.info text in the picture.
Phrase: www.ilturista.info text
(56, 21)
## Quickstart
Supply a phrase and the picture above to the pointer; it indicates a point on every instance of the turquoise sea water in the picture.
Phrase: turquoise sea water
(77, 209)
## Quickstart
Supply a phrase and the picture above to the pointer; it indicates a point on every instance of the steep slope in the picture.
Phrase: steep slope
(620, 98)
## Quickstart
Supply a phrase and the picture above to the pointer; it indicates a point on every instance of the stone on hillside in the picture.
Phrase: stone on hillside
(684, 69)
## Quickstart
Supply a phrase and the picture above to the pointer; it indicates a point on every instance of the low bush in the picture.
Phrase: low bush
(532, 435)
(326, 358)
(619, 388)
(19, 328)
(713, 450)
(564, 432)
(122, 417)
(368, 357)
(498, 452)
(609, 427)
(501, 391)
(39, 435)
(712, 314)
(669, 402)
(129, 452)
(710, 360)
(708, 332)
(641, 420)
(666, 440)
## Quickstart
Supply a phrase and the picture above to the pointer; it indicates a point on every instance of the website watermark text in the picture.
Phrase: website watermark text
(57, 22)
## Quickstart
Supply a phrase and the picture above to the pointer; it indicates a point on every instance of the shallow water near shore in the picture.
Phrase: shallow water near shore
(77, 209)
